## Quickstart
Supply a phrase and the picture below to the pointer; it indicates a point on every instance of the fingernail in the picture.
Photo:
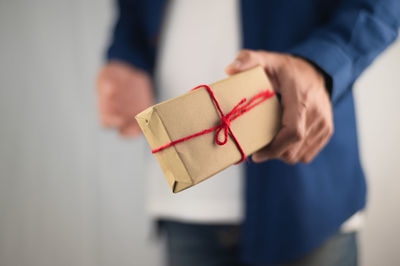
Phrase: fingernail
(254, 158)
(234, 65)
(258, 159)
(237, 63)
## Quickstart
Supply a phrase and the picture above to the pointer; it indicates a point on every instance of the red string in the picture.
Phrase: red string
(240, 109)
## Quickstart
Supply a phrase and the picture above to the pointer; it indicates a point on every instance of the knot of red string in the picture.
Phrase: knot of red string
(241, 108)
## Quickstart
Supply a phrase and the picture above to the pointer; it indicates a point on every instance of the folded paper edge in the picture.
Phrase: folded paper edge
(180, 186)
(145, 119)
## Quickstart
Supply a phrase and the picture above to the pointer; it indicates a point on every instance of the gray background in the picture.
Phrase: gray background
(72, 193)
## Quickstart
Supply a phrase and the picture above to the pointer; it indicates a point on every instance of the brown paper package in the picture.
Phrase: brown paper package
(188, 163)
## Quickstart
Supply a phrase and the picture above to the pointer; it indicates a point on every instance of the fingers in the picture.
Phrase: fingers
(111, 121)
(123, 91)
(131, 129)
(109, 111)
(293, 130)
(311, 149)
(302, 148)
(289, 136)
(112, 116)
(303, 151)
(294, 153)
(311, 152)
(304, 101)
(245, 59)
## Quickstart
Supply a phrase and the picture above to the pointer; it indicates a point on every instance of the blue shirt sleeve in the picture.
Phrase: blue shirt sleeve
(129, 41)
(357, 32)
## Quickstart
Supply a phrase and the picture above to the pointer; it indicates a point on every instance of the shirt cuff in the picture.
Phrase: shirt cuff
(331, 59)
(126, 55)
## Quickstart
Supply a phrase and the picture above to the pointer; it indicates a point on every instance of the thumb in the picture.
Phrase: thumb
(245, 59)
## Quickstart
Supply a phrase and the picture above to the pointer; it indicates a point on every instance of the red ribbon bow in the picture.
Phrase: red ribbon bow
(241, 108)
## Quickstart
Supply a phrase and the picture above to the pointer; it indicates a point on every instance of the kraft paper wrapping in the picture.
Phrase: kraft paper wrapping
(190, 162)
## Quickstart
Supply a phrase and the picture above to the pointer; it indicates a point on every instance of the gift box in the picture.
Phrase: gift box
(202, 132)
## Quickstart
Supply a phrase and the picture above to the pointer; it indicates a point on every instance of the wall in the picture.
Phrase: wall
(377, 94)
(71, 193)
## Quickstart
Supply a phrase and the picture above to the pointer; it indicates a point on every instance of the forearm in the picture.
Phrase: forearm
(358, 31)
(129, 42)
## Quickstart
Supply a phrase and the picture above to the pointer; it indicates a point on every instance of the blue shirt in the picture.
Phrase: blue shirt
(290, 210)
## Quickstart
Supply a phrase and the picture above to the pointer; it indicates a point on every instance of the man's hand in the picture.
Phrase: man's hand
(123, 92)
(307, 122)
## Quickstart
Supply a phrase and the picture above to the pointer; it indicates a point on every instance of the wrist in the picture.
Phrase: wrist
(328, 81)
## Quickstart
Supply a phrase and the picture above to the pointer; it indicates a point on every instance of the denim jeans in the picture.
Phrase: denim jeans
(218, 245)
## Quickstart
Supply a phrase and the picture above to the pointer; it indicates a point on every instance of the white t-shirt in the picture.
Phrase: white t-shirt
(199, 39)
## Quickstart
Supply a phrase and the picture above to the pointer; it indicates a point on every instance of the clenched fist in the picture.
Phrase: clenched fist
(307, 122)
(123, 92)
